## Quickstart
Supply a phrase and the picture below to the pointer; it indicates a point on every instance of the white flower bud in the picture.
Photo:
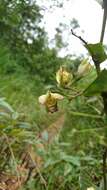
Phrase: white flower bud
(63, 77)
(90, 188)
(83, 68)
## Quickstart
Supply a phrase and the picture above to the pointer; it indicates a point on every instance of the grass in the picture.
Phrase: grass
(22, 90)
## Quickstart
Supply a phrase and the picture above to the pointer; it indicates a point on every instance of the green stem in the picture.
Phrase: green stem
(104, 95)
(86, 115)
(88, 130)
(104, 169)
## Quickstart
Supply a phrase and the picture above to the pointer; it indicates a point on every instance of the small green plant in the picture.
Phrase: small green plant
(14, 133)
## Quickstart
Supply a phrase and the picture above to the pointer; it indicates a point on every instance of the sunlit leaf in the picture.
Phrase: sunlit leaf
(97, 52)
(99, 85)
(71, 159)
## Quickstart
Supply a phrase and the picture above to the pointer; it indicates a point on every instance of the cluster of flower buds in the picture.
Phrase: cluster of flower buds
(64, 79)
(50, 101)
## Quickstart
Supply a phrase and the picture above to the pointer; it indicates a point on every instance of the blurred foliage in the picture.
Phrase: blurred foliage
(23, 41)
(13, 134)
(27, 69)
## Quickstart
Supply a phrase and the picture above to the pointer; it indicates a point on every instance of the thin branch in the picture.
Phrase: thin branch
(85, 43)
(104, 21)
(79, 37)
(103, 26)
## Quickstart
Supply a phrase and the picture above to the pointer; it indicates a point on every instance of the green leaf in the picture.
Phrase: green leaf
(97, 52)
(24, 125)
(5, 106)
(98, 86)
(75, 160)
(50, 162)
(15, 115)
(67, 169)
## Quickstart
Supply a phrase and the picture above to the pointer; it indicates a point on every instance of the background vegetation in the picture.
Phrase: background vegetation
(27, 70)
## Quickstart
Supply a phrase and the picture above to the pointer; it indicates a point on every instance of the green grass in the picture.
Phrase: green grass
(22, 90)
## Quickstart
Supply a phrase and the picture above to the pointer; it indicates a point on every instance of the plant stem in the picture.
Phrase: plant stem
(104, 169)
(103, 94)
(104, 21)
(86, 115)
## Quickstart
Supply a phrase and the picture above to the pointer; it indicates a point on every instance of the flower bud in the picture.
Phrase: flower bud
(63, 77)
(50, 101)
(83, 68)
(90, 188)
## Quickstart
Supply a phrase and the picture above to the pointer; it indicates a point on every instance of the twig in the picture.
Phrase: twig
(95, 61)
(79, 37)
(104, 21)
